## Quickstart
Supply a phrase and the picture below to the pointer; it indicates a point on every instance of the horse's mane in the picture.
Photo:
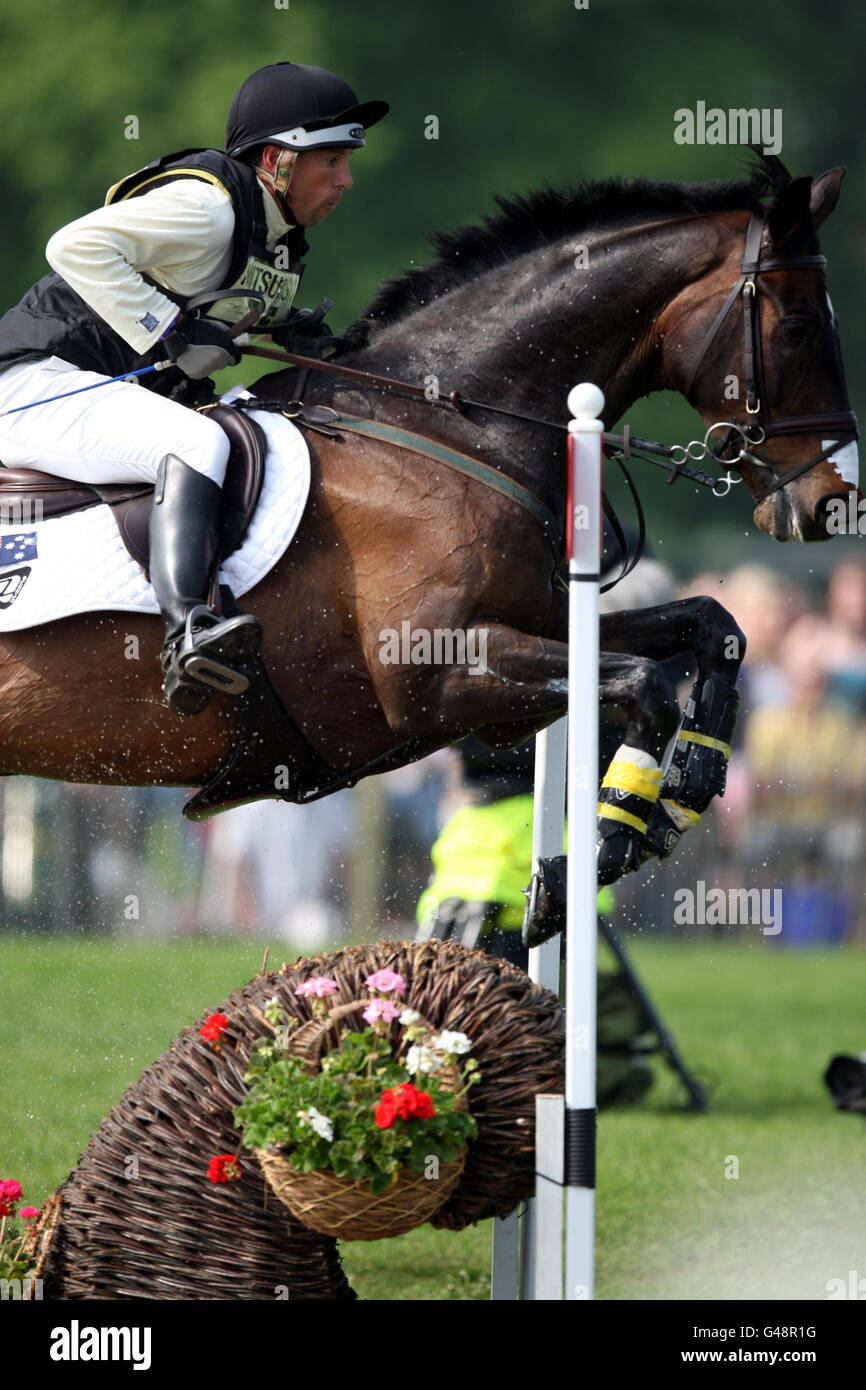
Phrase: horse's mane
(545, 216)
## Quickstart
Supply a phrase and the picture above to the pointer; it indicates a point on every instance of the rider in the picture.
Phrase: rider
(187, 224)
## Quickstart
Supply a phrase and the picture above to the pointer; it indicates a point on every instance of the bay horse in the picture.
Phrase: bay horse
(635, 287)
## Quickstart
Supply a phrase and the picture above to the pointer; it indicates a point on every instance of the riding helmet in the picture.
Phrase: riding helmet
(299, 107)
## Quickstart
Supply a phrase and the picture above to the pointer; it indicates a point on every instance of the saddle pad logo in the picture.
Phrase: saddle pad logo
(11, 584)
(14, 549)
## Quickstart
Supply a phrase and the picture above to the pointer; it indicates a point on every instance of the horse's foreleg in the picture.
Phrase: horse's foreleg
(698, 766)
(631, 785)
(507, 676)
(697, 625)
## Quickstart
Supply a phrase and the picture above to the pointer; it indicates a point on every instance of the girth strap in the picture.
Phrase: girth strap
(441, 453)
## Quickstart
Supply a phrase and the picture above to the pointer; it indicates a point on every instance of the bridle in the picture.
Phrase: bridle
(761, 426)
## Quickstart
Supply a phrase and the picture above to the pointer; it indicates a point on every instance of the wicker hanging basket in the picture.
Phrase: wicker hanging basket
(345, 1207)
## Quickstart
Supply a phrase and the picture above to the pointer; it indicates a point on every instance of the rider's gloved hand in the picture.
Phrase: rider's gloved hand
(306, 332)
(200, 346)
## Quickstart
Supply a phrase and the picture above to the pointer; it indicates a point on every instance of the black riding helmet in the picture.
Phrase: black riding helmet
(299, 107)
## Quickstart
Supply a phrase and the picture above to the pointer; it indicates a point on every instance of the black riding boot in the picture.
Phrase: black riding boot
(201, 650)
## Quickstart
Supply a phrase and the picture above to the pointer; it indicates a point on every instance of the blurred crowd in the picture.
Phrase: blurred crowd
(354, 865)
(793, 814)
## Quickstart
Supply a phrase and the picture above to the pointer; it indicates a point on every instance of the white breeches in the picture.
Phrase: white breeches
(115, 434)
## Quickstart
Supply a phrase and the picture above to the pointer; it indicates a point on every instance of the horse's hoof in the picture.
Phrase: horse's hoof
(662, 836)
(618, 852)
(544, 915)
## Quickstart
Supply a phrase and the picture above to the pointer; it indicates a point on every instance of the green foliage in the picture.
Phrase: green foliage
(14, 1262)
(329, 1120)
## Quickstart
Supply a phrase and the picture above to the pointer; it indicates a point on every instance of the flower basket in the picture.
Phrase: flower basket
(346, 1207)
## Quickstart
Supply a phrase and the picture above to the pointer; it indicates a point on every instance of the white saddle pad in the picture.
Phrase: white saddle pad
(78, 564)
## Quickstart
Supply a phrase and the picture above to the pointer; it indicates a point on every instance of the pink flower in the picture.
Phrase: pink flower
(380, 1008)
(318, 986)
(386, 980)
(10, 1190)
(28, 1213)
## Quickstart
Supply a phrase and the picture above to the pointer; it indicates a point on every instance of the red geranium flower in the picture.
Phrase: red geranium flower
(407, 1102)
(424, 1106)
(386, 1110)
(413, 1104)
(223, 1168)
(212, 1028)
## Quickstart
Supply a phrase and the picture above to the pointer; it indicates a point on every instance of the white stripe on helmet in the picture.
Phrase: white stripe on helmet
(300, 139)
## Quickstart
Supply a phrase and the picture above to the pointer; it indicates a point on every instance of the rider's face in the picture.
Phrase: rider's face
(319, 179)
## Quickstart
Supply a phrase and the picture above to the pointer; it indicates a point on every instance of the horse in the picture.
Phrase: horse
(628, 285)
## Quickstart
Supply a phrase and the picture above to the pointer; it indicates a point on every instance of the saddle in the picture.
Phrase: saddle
(266, 735)
(130, 503)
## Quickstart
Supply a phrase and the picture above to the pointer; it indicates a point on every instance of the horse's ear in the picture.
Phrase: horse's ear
(825, 195)
(789, 210)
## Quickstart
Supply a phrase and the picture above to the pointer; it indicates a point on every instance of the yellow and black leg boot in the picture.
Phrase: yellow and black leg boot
(626, 800)
(698, 767)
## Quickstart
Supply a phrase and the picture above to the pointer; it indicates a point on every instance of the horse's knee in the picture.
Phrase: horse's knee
(722, 640)
(658, 697)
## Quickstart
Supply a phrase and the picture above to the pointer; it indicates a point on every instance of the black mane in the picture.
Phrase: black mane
(537, 219)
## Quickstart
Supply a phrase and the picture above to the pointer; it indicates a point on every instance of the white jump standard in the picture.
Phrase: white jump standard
(566, 1125)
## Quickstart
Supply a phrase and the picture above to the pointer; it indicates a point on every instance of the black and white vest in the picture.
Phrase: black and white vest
(53, 320)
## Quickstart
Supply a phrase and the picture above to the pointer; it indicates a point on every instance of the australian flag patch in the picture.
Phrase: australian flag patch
(15, 548)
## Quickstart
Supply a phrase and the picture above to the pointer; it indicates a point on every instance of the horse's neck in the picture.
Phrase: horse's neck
(521, 335)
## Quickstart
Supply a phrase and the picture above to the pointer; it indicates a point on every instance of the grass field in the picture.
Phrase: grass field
(80, 1019)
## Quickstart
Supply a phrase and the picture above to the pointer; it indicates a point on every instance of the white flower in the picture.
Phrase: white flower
(318, 1122)
(422, 1059)
(409, 1016)
(455, 1043)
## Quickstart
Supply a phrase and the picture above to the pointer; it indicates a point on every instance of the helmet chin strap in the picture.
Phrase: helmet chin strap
(279, 180)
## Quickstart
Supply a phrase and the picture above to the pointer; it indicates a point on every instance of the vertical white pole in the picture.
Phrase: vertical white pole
(584, 562)
(548, 824)
(503, 1268)
(565, 1128)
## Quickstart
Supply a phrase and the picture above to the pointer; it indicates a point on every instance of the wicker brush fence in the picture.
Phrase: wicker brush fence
(137, 1217)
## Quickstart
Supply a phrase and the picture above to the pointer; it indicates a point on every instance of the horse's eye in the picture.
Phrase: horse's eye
(797, 329)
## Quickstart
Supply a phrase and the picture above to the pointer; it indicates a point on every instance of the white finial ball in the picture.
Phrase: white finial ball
(586, 399)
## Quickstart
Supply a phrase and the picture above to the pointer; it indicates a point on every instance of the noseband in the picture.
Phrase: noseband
(760, 425)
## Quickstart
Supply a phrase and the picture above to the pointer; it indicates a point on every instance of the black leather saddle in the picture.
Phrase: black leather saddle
(50, 496)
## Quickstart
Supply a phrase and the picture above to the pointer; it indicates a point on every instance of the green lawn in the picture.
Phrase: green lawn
(79, 1020)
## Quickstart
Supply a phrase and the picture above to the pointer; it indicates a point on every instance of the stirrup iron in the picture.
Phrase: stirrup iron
(194, 664)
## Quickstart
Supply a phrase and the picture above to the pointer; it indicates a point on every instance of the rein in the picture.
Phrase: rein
(675, 459)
